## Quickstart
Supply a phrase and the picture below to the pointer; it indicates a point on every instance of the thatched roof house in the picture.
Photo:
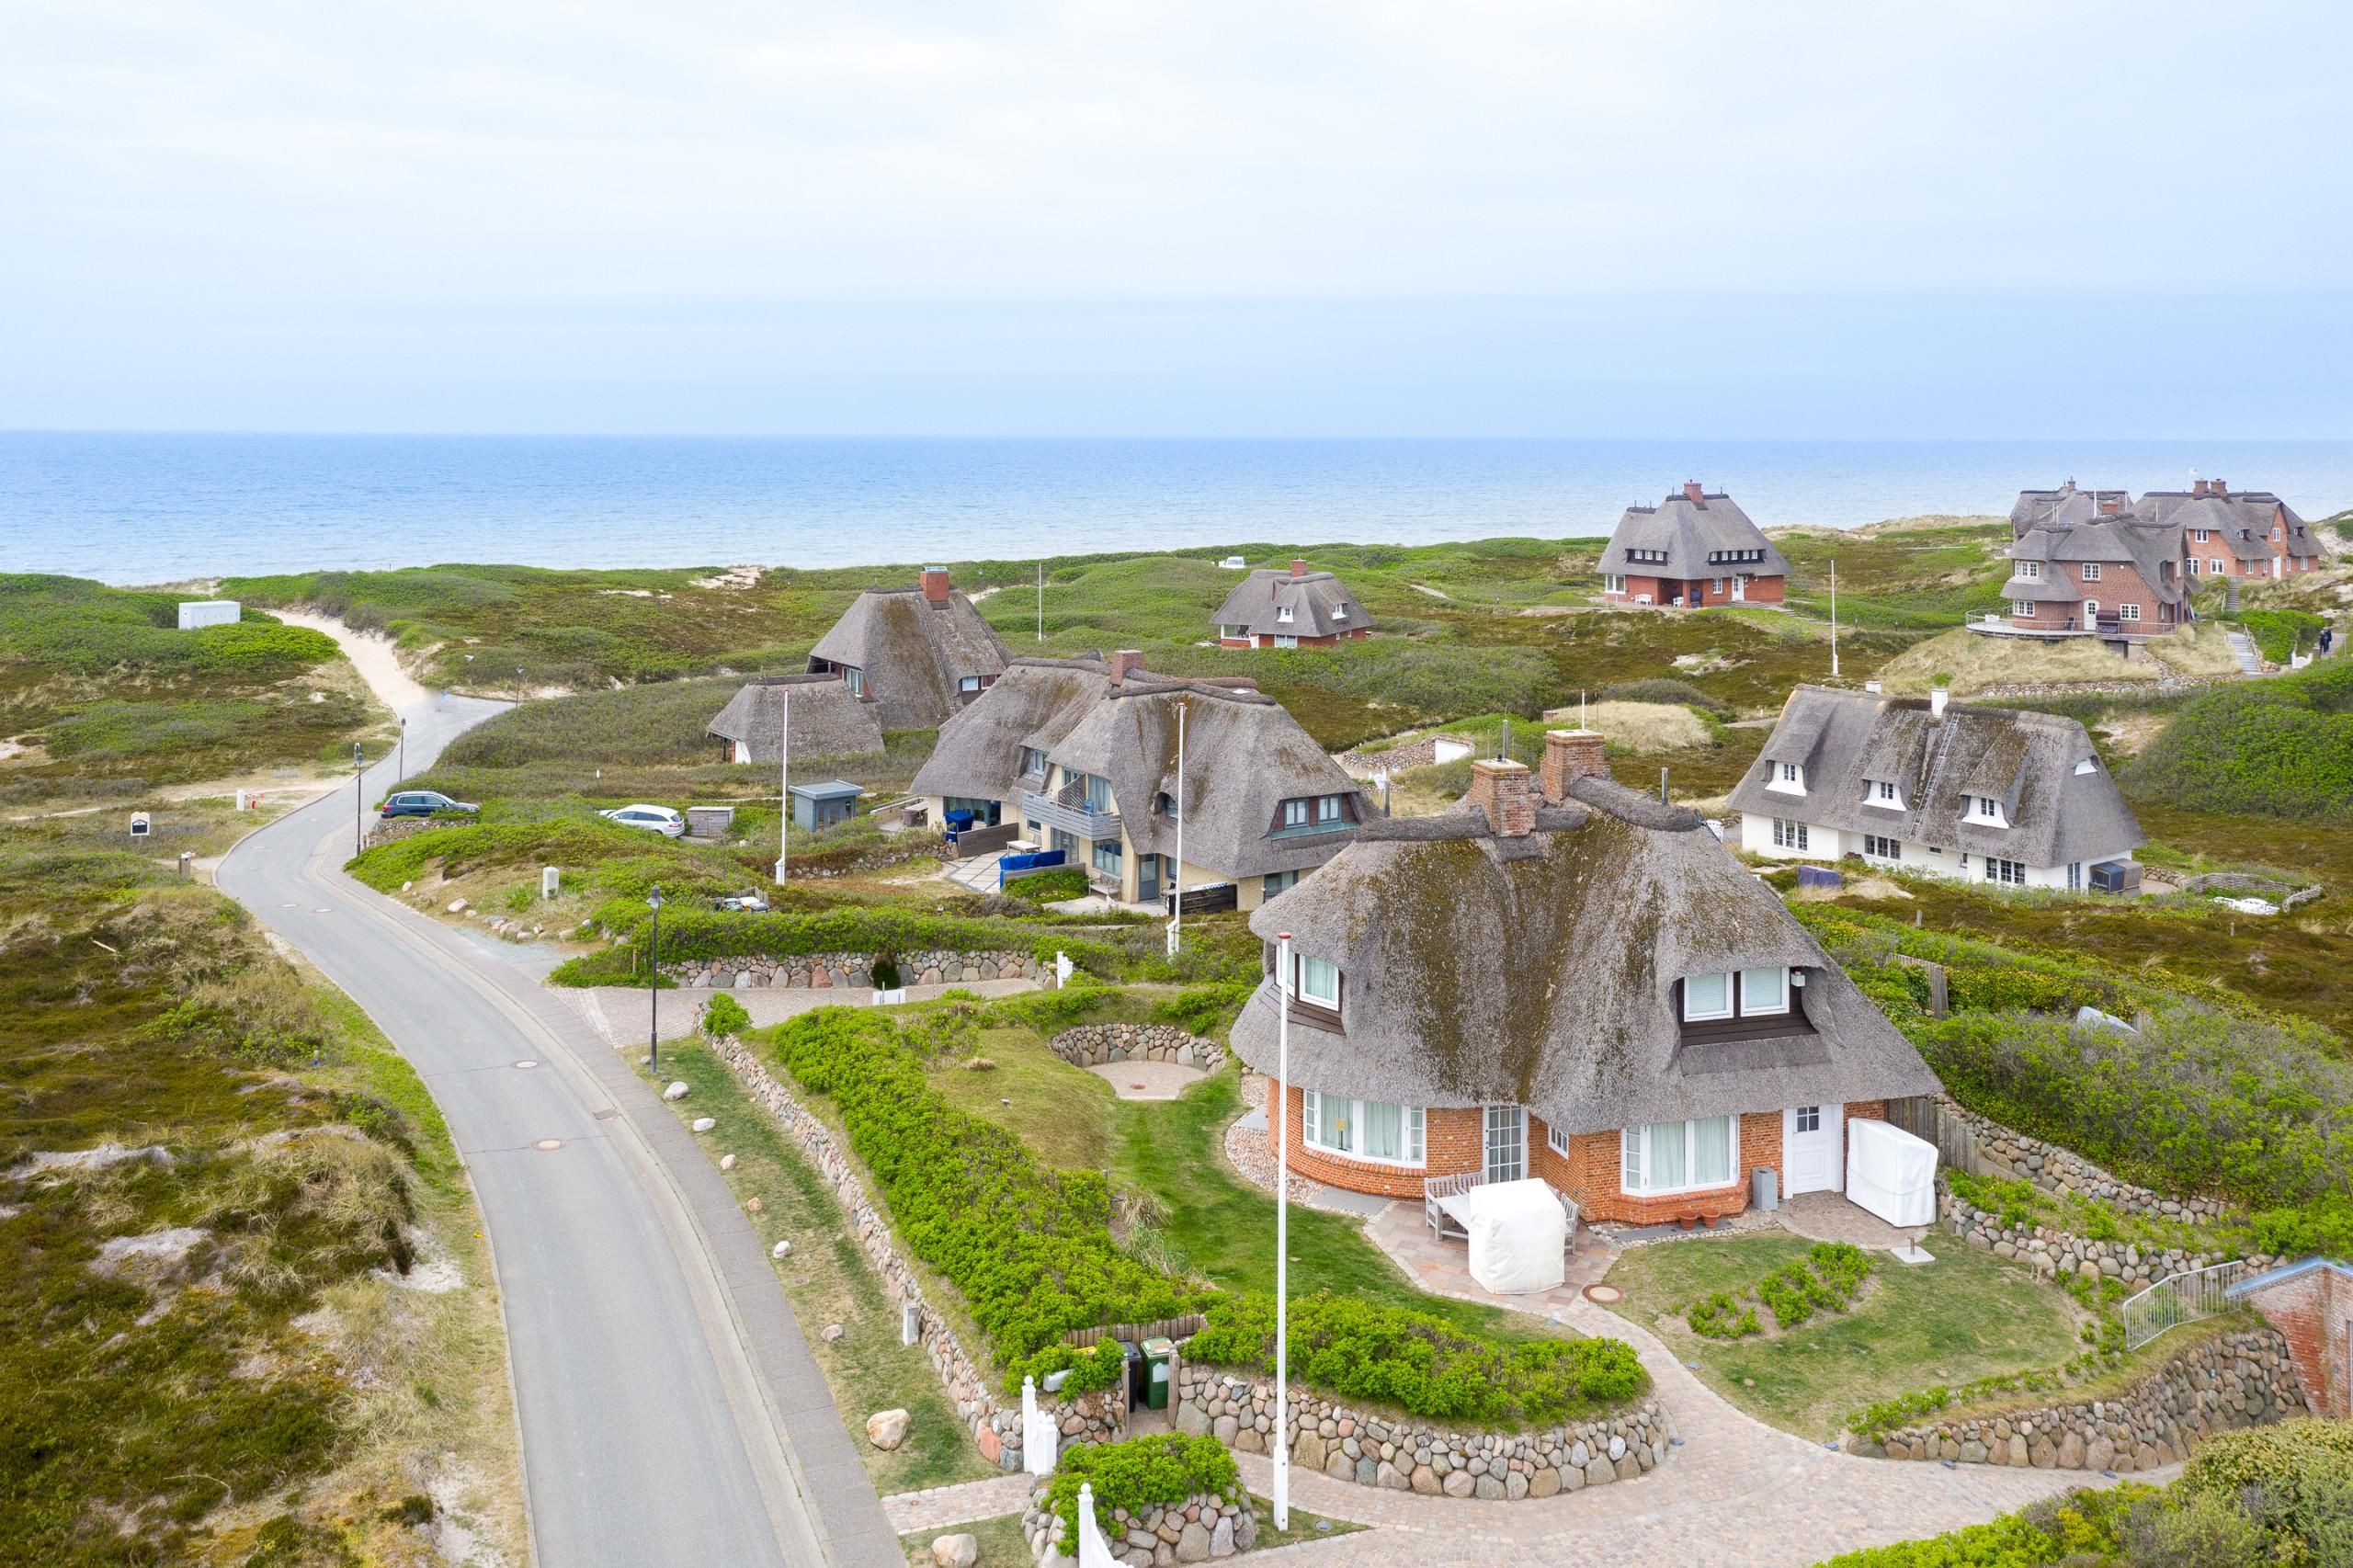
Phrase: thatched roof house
(828, 720)
(1082, 753)
(1298, 609)
(919, 653)
(1695, 548)
(2003, 795)
(1544, 973)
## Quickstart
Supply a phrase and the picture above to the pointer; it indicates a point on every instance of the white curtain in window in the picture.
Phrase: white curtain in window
(1665, 1164)
(1384, 1130)
(1706, 995)
(1711, 1152)
(1764, 990)
(1319, 981)
(1339, 1125)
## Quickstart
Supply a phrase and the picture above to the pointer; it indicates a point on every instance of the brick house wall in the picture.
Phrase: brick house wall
(1700, 590)
(2313, 1312)
(1453, 1141)
(1265, 641)
(2118, 584)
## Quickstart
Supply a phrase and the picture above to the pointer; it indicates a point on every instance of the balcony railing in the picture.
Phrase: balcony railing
(1079, 819)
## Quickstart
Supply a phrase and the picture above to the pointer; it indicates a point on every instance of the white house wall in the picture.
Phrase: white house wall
(1828, 846)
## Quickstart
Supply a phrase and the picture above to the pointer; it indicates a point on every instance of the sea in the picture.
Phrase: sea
(141, 509)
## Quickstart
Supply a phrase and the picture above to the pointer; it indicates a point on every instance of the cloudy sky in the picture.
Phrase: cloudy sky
(1477, 217)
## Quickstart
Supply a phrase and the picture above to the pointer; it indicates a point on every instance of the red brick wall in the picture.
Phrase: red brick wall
(2118, 584)
(1452, 1141)
(1760, 590)
(2314, 1313)
(1589, 1172)
(1267, 641)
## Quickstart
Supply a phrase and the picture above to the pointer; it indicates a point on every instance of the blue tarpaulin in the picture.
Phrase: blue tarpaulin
(1819, 877)
(1007, 866)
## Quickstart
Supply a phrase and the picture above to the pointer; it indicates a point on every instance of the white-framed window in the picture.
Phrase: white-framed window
(1785, 778)
(1788, 835)
(1706, 996)
(2127, 612)
(2091, 571)
(1319, 982)
(1882, 792)
(1555, 1140)
(2024, 609)
(1363, 1129)
(1876, 847)
(1282, 612)
(1339, 612)
(1987, 806)
(2010, 872)
(2214, 567)
(1807, 1119)
(1283, 640)
(1033, 762)
(855, 680)
(2200, 536)
(967, 683)
(2030, 569)
(2091, 610)
(1764, 991)
(1166, 804)
(2193, 566)
(1613, 583)
(1676, 1156)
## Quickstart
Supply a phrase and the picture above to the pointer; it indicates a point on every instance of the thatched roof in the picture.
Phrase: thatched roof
(2125, 540)
(1035, 702)
(2026, 760)
(1245, 754)
(2064, 507)
(914, 650)
(1691, 530)
(828, 719)
(1537, 971)
(1316, 601)
(2242, 520)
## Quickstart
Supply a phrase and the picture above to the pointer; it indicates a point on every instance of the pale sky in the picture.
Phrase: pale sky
(1477, 217)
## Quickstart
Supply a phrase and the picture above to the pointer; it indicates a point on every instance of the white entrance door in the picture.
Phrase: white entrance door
(1507, 1143)
(1739, 589)
(1813, 1144)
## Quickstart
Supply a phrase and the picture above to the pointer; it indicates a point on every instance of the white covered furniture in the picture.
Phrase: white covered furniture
(1890, 1173)
(1519, 1231)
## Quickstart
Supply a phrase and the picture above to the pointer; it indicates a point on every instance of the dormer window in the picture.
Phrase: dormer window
(1989, 807)
(1339, 612)
(1736, 994)
(2087, 766)
(1033, 763)
(1282, 613)
(855, 679)
(1319, 982)
(2030, 569)
(1883, 793)
(1785, 778)
(1165, 805)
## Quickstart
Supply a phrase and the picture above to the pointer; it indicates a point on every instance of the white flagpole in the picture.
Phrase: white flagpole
(784, 784)
(1834, 618)
(1282, 1232)
(1177, 924)
(1041, 601)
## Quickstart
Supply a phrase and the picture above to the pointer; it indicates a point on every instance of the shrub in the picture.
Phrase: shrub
(2297, 1467)
(1049, 1012)
(724, 1017)
(1041, 887)
(1717, 1316)
(1661, 688)
(2278, 633)
(2008, 1196)
(2281, 748)
(1202, 1009)
(689, 933)
(1139, 1473)
(1421, 1364)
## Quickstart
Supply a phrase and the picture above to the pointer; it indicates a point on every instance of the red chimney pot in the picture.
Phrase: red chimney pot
(935, 583)
(1695, 493)
(1299, 568)
(1124, 660)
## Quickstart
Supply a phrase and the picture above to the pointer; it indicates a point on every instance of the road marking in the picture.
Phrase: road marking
(547, 1145)
(527, 1062)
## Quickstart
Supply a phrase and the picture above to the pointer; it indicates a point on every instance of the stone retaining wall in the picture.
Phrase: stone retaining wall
(852, 972)
(1203, 1528)
(2291, 896)
(2054, 1252)
(1094, 1045)
(995, 1422)
(2069, 1174)
(1377, 1451)
(2237, 1379)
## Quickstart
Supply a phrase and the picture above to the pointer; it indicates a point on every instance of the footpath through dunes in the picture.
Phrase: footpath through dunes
(669, 1412)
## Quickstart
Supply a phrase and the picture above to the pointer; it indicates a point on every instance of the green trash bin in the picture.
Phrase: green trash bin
(1160, 1366)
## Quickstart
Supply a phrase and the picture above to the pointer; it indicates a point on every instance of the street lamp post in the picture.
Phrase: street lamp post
(653, 983)
(359, 798)
(1281, 1091)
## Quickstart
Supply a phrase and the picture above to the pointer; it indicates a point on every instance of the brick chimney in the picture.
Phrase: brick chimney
(935, 583)
(2109, 506)
(2217, 488)
(2198, 487)
(1569, 755)
(1125, 660)
(1499, 787)
(1299, 568)
(1695, 493)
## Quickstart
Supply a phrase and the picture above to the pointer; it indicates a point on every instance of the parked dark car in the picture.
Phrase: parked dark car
(423, 803)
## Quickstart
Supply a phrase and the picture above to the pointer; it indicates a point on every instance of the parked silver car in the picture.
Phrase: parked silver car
(653, 819)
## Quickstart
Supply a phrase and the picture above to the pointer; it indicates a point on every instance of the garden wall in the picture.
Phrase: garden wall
(1201, 1528)
(2062, 1252)
(1411, 1456)
(852, 972)
(995, 1424)
(1095, 1045)
(2237, 1379)
(2001, 1151)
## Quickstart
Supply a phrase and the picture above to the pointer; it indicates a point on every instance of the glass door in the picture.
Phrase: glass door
(1507, 1143)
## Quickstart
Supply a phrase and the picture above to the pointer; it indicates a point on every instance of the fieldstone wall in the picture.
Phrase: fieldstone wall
(2052, 1252)
(1203, 1528)
(2238, 1380)
(2002, 1151)
(2291, 895)
(995, 1420)
(1406, 1457)
(854, 972)
(1094, 1045)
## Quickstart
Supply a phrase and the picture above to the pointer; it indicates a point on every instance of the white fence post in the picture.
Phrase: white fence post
(1093, 1550)
(1041, 1437)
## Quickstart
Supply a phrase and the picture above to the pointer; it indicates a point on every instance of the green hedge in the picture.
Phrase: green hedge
(2278, 633)
(1425, 1365)
(1030, 1248)
(1138, 1474)
(694, 933)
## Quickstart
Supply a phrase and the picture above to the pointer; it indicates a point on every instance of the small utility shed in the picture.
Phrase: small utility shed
(822, 805)
(196, 614)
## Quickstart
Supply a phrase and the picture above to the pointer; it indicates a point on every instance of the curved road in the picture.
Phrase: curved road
(670, 1411)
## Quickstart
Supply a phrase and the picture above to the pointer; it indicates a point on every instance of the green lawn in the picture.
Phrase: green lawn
(1967, 1315)
(1062, 1112)
(1226, 1228)
(828, 1279)
(1000, 1540)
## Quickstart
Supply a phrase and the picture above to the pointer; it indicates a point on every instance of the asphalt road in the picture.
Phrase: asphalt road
(665, 1416)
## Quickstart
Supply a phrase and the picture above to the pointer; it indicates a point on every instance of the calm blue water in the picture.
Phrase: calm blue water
(149, 508)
